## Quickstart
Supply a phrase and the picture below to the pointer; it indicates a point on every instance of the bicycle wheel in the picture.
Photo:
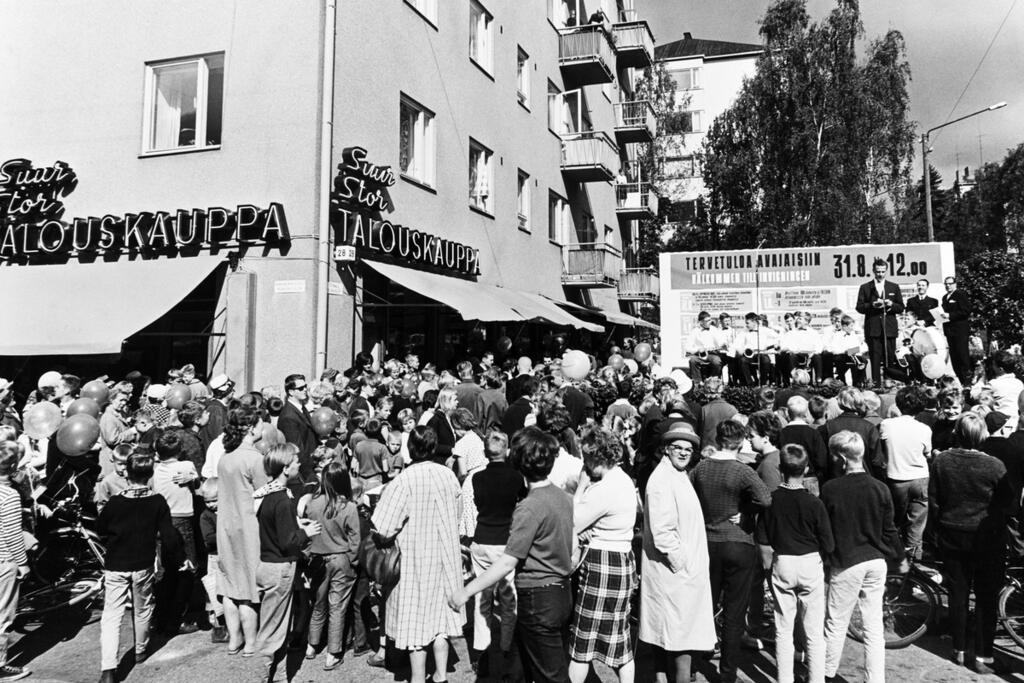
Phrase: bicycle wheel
(1011, 612)
(66, 593)
(908, 608)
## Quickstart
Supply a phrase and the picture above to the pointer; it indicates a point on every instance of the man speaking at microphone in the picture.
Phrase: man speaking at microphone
(880, 301)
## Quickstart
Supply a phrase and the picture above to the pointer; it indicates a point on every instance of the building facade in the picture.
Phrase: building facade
(267, 191)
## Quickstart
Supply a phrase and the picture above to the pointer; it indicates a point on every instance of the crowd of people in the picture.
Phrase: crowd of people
(569, 516)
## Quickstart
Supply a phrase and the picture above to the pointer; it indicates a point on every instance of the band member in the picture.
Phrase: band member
(800, 347)
(848, 351)
(917, 341)
(957, 327)
(729, 336)
(879, 301)
(921, 304)
(706, 349)
(753, 349)
(835, 316)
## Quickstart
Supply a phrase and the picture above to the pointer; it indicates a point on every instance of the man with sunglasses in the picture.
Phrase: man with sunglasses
(957, 319)
(296, 424)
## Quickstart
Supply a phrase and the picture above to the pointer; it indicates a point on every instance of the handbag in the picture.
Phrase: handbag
(381, 558)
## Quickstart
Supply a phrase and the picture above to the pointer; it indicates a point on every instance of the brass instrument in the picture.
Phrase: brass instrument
(749, 353)
(702, 354)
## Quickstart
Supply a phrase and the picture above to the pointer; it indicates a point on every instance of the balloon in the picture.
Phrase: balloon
(42, 420)
(632, 365)
(97, 391)
(177, 396)
(922, 343)
(575, 364)
(77, 435)
(83, 406)
(408, 388)
(642, 352)
(504, 344)
(324, 420)
(267, 437)
(614, 350)
(932, 366)
(683, 381)
(615, 361)
(50, 378)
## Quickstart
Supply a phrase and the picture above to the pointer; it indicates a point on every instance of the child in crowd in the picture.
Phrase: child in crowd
(334, 559)
(115, 481)
(361, 643)
(14, 565)
(129, 526)
(175, 479)
(407, 421)
(794, 534)
(212, 579)
(145, 426)
(395, 460)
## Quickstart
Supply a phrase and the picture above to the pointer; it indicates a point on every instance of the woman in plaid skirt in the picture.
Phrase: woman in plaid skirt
(604, 511)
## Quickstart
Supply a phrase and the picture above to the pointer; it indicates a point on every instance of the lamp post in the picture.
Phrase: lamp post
(924, 161)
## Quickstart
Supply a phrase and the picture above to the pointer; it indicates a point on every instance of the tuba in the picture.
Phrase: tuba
(702, 354)
(749, 353)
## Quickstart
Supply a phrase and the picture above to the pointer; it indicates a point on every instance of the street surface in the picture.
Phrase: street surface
(65, 649)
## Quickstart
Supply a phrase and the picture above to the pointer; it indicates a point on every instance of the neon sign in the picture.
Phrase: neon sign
(361, 195)
(33, 230)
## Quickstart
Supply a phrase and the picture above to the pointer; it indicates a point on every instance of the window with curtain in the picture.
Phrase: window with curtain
(523, 200)
(480, 26)
(554, 108)
(558, 218)
(184, 103)
(480, 177)
(523, 78)
(416, 141)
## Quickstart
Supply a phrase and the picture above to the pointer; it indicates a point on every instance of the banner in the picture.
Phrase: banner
(777, 281)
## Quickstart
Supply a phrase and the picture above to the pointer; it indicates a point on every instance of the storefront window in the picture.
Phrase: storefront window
(184, 103)
(480, 177)
(416, 141)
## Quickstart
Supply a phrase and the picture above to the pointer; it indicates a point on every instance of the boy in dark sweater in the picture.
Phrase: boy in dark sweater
(129, 525)
(794, 534)
(860, 511)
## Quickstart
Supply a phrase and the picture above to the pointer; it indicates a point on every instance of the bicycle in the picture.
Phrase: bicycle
(912, 602)
(66, 566)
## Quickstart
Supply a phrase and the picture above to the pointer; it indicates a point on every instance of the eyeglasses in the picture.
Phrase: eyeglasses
(951, 282)
(302, 388)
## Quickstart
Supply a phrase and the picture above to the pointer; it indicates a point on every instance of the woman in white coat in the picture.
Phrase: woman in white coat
(676, 614)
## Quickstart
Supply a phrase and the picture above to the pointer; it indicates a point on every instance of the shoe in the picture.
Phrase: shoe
(184, 630)
(958, 657)
(140, 657)
(106, 677)
(219, 634)
(361, 650)
(376, 661)
(985, 668)
(331, 663)
(751, 643)
(310, 652)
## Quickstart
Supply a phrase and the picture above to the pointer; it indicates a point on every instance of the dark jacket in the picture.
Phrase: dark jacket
(297, 428)
(958, 307)
(515, 416)
(922, 308)
(866, 297)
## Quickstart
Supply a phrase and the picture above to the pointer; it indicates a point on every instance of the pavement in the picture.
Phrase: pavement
(65, 649)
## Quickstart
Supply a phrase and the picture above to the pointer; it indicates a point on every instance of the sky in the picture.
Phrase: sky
(945, 40)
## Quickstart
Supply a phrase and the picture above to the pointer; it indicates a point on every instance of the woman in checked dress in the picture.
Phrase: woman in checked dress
(421, 506)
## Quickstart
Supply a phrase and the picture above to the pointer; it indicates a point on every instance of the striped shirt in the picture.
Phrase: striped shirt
(12, 541)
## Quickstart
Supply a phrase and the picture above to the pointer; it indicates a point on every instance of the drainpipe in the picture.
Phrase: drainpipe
(323, 224)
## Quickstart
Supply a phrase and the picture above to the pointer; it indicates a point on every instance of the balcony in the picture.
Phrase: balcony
(634, 42)
(634, 122)
(589, 157)
(639, 284)
(586, 55)
(593, 264)
(635, 201)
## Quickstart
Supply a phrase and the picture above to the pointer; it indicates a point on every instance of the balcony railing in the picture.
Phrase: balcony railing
(635, 200)
(634, 122)
(639, 284)
(589, 157)
(634, 43)
(586, 55)
(592, 264)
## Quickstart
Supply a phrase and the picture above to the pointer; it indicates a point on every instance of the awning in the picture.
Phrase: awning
(537, 306)
(471, 300)
(480, 301)
(620, 318)
(83, 308)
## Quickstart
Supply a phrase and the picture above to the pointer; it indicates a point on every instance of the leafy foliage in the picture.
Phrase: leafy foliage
(994, 281)
(815, 141)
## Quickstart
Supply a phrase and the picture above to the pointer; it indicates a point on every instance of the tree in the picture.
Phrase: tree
(993, 281)
(817, 147)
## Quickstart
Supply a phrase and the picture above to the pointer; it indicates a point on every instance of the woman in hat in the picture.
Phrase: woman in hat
(676, 615)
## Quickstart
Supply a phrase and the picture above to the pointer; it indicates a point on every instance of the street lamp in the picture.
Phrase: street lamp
(924, 160)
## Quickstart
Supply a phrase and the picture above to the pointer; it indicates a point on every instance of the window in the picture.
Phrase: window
(687, 79)
(554, 108)
(523, 200)
(416, 142)
(558, 218)
(523, 78)
(480, 35)
(480, 177)
(568, 112)
(427, 8)
(682, 167)
(184, 101)
(692, 121)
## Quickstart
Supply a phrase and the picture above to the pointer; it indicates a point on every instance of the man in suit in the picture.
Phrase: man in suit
(469, 392)
(296, 425)
(957, 327)
(880, 301)
(922, 304)
(515, 417)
